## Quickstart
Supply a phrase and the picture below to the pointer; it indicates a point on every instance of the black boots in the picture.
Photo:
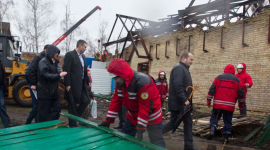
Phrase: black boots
(120, 126)
(226, 137)
(28, 122)
(11, 125)
(212, 133)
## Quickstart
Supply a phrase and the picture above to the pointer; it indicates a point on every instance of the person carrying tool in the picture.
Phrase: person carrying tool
(180, 79)
(225, 90)
(245, 81)
(47, 86)
(32, 77)
(138, 93)
(162, 86)
(97, 56)
(103, 57)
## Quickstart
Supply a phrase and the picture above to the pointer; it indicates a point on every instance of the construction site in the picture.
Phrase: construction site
(217, 33)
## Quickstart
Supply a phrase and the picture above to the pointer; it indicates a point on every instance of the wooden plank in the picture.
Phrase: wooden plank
(114, 132)
(29, 127)
(97, 144)
(85, 141)
(250, 135)
(26, 141)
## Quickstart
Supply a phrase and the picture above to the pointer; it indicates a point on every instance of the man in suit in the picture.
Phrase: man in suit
(76, 80)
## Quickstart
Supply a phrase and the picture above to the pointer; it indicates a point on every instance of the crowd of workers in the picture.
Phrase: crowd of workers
(137, 99)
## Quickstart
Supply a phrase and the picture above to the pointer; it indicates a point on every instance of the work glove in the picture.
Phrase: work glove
(140, 134)
(208, 103)
(241, 105)
(104, 124)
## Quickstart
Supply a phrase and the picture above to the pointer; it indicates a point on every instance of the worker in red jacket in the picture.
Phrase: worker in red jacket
(245, 81)
(162, 86)
(226, 89)
(138, 93)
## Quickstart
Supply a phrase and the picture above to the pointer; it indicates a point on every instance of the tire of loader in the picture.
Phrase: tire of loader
(22, 96)
(21, 93)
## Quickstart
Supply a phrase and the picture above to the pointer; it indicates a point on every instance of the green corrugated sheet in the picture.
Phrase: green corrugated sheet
(49, 135)
(266, 134)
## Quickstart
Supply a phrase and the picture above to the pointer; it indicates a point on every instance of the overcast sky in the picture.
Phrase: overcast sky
(145, 9)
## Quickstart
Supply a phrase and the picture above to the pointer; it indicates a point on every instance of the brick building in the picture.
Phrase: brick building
(254, 51)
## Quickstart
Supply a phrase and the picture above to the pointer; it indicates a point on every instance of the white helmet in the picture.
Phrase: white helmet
(240, 66)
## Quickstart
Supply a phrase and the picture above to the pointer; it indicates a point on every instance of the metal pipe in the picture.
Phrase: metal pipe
(189, 39)
(243, 34)
(156, 51)
(269, 30)
(168, 42)
(221, 40)
(176, 49)
(204, 35)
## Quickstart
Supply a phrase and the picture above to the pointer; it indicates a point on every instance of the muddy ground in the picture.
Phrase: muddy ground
(19, 114)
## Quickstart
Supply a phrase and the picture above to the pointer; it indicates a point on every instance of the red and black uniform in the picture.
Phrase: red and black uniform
(226, 89)
(140, 97)
(162, 87)
(245, 82)
(245, 79)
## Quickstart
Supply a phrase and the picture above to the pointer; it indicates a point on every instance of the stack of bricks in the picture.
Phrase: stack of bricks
(207, 66)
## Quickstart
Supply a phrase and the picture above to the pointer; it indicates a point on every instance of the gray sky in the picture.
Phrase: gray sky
(145, 9)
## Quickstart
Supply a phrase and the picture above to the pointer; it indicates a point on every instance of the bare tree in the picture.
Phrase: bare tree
(24, 28)
(102, 36)
(66, 23)
(5, 6)
(93, 44)
(36, 23)
(91, 47)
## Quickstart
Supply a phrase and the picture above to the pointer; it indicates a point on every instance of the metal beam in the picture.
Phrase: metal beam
(112, 29)
(191, 3)
(177, 43)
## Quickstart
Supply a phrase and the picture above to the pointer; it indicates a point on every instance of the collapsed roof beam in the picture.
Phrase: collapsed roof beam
(191, 3)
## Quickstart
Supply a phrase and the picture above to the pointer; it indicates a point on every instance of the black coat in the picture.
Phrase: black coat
(180, 79)
(48, 76)
(3, 82)
(72, 65)
(34, 68)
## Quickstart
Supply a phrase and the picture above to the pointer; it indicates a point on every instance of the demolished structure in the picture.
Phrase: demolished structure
(236, 31)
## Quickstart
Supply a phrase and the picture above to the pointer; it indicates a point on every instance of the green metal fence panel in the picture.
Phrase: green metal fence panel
(85, 141)
(53, 135)
(29, 127)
